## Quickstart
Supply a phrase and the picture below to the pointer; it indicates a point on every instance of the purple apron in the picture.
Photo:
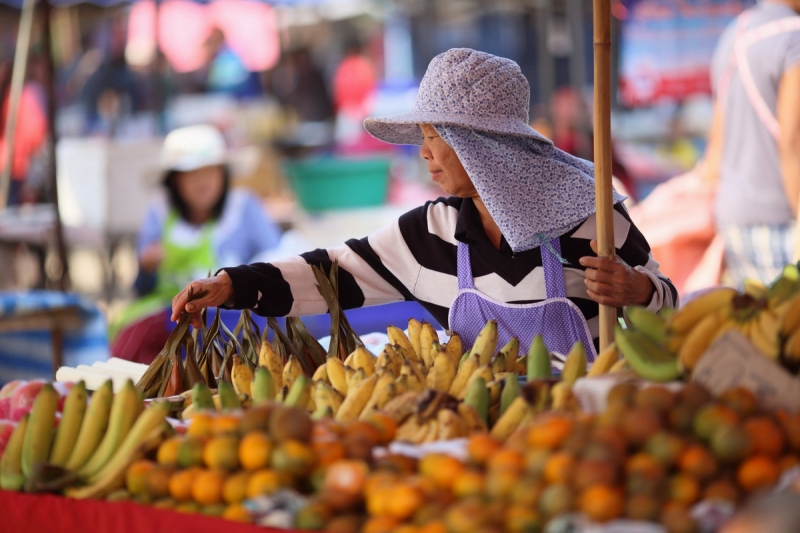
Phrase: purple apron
(557, 320)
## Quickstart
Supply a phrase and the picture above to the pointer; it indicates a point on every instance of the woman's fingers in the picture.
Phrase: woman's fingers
(218, 290)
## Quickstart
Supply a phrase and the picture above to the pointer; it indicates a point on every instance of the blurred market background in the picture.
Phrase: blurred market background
(289, 82)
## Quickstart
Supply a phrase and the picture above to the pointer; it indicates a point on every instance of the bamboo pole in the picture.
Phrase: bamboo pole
(15, 95)
(602, 152)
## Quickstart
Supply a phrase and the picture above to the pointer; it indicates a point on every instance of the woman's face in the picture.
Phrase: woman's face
(443, 164)
(201, 189)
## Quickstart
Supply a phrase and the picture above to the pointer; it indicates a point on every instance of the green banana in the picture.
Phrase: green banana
(124, 411)
(228, 399)
(70, 425)
(39, 433)
(300, 392)
(11, 476)
(509, 394)
(575, 365)
(651, 324)
(94, 425)
(539, 360)
(478, 398)
(202, 398)
(646, 358)
(263, 387)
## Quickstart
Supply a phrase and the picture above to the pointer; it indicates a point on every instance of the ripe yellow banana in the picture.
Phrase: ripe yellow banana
(463, 374)
(70, 425)
(510, 420)
(791, 316)
(499, 363)
(401, 406)
(495, 389)
(385, 362)
(575, 364)
(764, 334)
(427, 336)
(381, 395)
(441, 376)
(619, 366)
(432, 433)
(471, 418)
(356, 399)
(414, 334)
(563, 398)
(511, 352)
(755, 288)
(39, 433)
(241, 376)
(337, 374)
(401, 343)
(701, 336)
(124, 410)
(362, 358)
(409, 378)
(484, 372)
(486, 343)
(291, 371)
(689, 316)
(326, 397)
(605, 360)
(269, 359)
(321, 373)
(11, 476)
(93, 427)
(454, 348)
(354, 377)
(674, 343)
(451, 425)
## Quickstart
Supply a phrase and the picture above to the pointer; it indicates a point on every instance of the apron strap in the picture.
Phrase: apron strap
(553, 270)
(464, 268)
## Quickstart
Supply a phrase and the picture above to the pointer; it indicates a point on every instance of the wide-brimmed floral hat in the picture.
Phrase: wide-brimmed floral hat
(464, 87)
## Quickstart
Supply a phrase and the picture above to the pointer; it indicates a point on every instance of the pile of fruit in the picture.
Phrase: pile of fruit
(86, 448)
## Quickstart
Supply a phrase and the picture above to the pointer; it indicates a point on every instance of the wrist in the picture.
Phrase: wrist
(647, 289)
(227, 284)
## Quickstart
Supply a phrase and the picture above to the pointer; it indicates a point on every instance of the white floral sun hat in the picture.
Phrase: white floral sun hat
(464, 87)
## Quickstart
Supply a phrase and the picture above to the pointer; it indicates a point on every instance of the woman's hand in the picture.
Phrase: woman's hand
(151, 257)
(612, 282)
(220, 291)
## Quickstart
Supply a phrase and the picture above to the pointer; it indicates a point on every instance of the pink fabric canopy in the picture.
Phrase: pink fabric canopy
(250, 30)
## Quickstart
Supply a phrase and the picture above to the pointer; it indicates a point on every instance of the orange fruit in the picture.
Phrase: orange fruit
(481, 447)
(644, 465)
(180, 484)
(722, 490)
(386, 426)
(236, 512)
(559, 468)
(379, 524)
(469, 482)
(255, 449)
(403, 501)
(222, 452)
(326, 430)
(500, 484)
(435, 526)
(345, 481)
(363, 430)
(441, 469)
(522, 519)
(379, 479)
(207, 487)
(202, 425)
(758, 472)
(328, 453)
(684, 488)
(167, 454)
(234, 490)
(226, 424)
(602, 503)
(549, 433)
(506, 458)
(698, 461)
(378, 500)
(766, 437)
(710, 417)
(158, 481)
(136, 477)
(264, 482)
(294, 458)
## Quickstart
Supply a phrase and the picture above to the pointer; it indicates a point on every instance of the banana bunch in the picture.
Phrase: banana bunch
(96, 441)
(432, 415)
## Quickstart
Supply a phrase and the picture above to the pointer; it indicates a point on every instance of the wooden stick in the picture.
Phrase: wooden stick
(15, 95)
(602, 152)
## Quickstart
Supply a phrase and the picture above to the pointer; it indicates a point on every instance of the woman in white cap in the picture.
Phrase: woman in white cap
(512, 242)
(198, 227)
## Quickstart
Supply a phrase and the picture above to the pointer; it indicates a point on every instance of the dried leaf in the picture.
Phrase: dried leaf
(191, 370)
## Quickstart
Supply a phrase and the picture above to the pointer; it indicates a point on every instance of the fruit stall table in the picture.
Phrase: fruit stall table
(23, 513)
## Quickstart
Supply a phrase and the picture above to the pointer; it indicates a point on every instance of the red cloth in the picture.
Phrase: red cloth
(29, 513)
(30, 133)
(354, 82)
(142, 341)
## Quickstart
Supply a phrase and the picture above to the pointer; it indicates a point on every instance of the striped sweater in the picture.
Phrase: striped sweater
(415, 259)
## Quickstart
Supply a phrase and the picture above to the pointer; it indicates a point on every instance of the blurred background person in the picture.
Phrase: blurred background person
(29, 137)
(201, 225)
(753, 149)
(226, 71)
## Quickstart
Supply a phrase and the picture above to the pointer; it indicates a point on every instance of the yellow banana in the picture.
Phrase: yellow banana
(689, 316)
(764, 334)
(791, 317)
(674, 343)
(93, 427)
(499, 363)
(575, 364)
(11, 476)
(414, 334)
(441, 376)
(398, 337)
(362, 358)
(385, 362)
(486, 343)
(563, 398)
(411, 380)
(451, 426)
(511, 352)
(356, 399)
(463, 374)
(454, 348)
(321, 373)
(326, 397)
(70, 425)
(39, 433)
(701, 336)
(471, 418)
(426, 338)
(755, 288)
(269, 359)
(484, 372)
(619, 366)
(337, 374)
(381, 395)
(401, 385)
(510, 420)
(291, 371)
(354, 377)
(433, 431)
(605, 360)
(241, 376)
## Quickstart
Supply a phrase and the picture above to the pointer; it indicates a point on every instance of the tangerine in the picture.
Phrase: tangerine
(441, 469)
(234, 490)
(167, 454)
(237, 513)
(180, 484)
(469, 482)
(328, 453)
(722, 490)
(698, 461)
(386, 426)
(758, 472)
(225, 424)
(363, 430)
(158, 481)
(481, 447)
(506, 459)
(549, 433)
(222, 452)
(522, 519)
(293, 457)
(766, 438)
(202, 425)
(684, 488)
(264, 481)
(254, 451)
(602, 503)
(136, 477)
(207, 487)
(559, 468)
(380, 524)
(404, 500)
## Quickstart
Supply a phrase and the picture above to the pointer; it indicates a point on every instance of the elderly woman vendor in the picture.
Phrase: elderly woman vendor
(512, 241)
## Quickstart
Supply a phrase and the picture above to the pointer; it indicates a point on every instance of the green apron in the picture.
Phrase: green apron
(180, 266)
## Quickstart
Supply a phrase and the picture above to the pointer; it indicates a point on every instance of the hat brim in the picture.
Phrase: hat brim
(404, 129)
